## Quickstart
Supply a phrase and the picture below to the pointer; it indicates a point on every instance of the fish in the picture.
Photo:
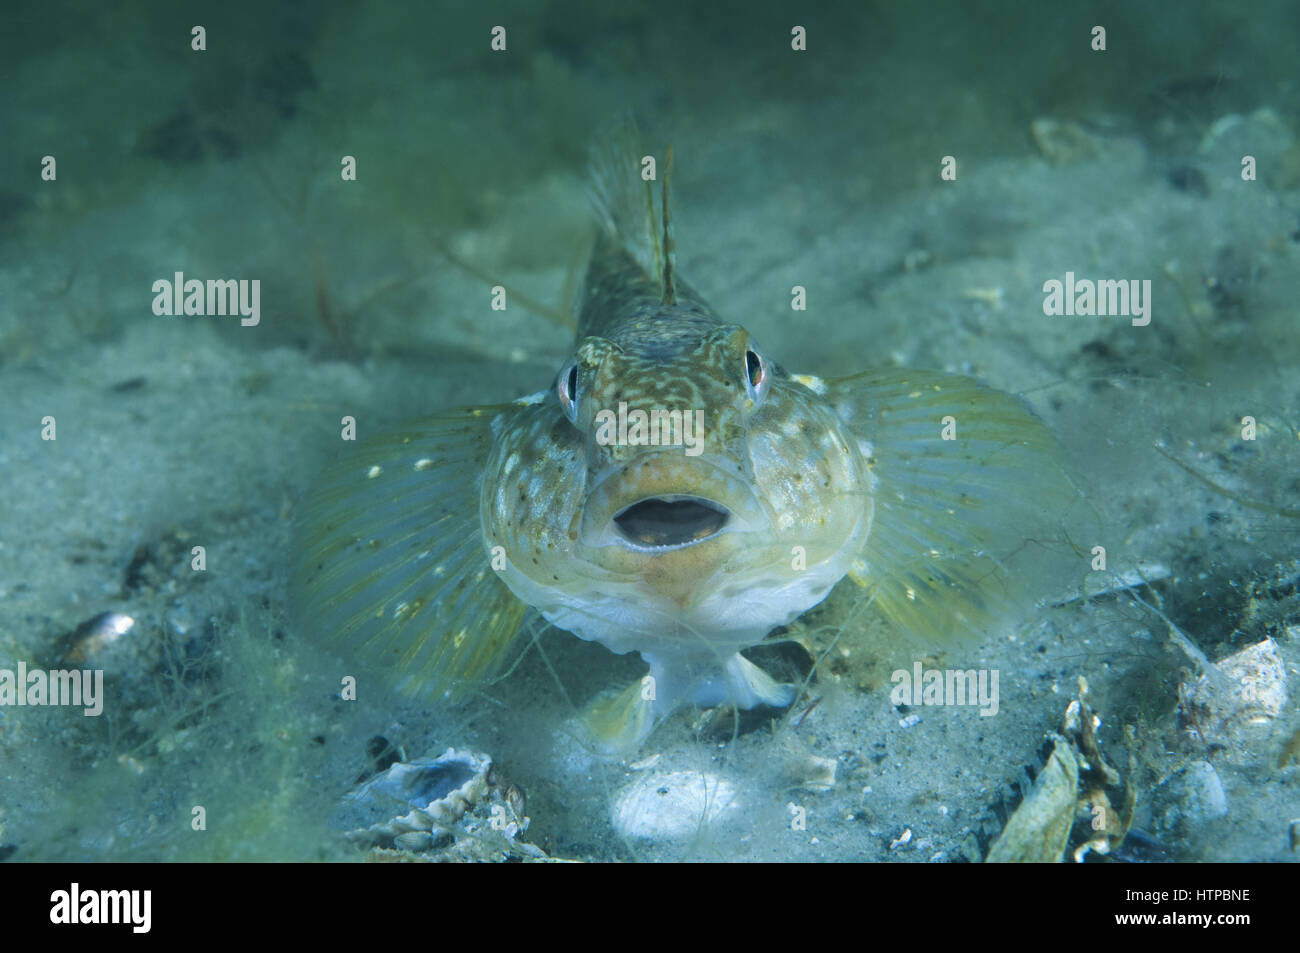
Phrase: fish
(673, 492)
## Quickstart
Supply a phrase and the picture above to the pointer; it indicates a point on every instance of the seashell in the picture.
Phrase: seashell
(93, 639)
(1234, 702)
(673, 804)
(425, 796)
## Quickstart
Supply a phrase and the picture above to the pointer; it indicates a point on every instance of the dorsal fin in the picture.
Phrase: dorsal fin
(669, 258)
(651, 223)
(625, 203)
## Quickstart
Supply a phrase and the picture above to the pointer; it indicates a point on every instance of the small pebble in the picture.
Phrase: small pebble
(1190, 799)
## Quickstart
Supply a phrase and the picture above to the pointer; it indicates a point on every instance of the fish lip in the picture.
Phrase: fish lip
(678, 519)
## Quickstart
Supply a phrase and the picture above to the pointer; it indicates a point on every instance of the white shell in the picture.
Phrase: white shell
(673, 804)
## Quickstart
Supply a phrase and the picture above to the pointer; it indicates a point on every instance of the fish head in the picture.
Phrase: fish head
(700, 487)
(665, 436)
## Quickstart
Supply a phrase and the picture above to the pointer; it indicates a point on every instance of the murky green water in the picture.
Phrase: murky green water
(921, 171)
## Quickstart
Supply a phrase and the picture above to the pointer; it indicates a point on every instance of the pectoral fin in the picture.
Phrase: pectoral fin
(964, 478)
(618, 723)
(390, 563)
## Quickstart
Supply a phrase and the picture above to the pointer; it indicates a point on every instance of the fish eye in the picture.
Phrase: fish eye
(566, 388)
(756, 374)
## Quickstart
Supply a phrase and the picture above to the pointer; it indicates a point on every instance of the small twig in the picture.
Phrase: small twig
(1236, 497)
(1180, 639)
(806, 712)
(555, 317)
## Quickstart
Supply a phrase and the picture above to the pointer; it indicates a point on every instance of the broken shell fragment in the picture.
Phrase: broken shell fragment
(449, 808)
(1040, 828)
(811, 772)
(1242, 694)
(425, 796)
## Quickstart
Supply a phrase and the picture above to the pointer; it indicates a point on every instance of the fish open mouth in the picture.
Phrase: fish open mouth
(664, 522)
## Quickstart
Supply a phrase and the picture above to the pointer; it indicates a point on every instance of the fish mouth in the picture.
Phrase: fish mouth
(670, 522)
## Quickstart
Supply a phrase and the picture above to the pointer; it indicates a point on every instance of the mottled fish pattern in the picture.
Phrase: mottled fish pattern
(421, 550)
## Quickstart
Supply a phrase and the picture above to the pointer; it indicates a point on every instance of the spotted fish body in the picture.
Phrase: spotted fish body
(424, 548)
